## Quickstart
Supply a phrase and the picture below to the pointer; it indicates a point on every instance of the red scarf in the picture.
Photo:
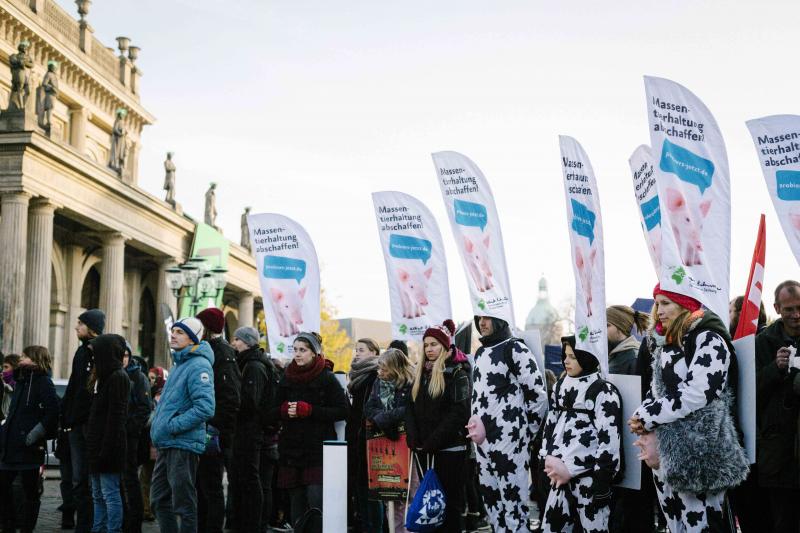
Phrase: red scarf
(304, 374)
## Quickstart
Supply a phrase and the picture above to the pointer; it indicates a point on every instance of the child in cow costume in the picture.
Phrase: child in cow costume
(508, 406)
(581, 445)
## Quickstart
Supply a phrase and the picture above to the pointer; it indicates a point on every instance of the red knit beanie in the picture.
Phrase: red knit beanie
(443, 333)
(213, 319)
(687, 302)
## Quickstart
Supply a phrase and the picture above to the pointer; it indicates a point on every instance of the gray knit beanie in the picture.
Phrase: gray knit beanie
(247, 335)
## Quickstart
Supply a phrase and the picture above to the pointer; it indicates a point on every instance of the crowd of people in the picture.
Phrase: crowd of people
(497, 430)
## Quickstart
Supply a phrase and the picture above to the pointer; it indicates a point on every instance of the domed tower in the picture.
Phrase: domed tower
(543, 316)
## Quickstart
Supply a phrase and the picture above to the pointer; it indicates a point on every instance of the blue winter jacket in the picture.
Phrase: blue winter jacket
(187, 401)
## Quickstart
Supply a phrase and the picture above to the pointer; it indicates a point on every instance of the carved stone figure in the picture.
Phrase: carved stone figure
(48, 95)
(21, 64)
(169, 179)
(119, 143)
(245, 229)
(211, 205)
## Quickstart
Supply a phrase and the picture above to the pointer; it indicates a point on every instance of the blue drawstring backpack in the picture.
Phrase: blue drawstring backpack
(426, 512)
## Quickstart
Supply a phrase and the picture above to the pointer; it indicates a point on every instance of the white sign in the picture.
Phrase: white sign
(777, 140)
(644, 187)
(415, 264)
(694, 190)
(746, 392)
(630, 389)
(476, 229)
(586, 239)
(289, 275)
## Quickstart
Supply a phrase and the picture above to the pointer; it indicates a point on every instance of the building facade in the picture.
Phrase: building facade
(76, 230)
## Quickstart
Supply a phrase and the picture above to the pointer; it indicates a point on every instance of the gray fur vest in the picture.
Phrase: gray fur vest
(701, 452)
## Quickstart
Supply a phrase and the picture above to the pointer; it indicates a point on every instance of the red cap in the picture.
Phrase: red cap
(687, 302)
(443, 333)
(213, 319)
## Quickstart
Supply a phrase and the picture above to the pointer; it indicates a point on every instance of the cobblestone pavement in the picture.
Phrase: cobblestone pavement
(50, 517)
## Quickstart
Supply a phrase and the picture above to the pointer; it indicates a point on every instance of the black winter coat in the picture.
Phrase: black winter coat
(434, 424)
(140, 404)
(356, 430)
(105, 431)
(227, 389)
(388, 420)
(34, 401)
(258, 392)
(77, 398)
(300, 440)
(777, 411)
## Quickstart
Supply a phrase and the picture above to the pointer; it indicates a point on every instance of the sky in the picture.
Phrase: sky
(306, 107)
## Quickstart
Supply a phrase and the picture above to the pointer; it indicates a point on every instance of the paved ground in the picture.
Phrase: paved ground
(50, 517)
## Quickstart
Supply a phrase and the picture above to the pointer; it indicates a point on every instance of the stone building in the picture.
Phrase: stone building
(76, 231)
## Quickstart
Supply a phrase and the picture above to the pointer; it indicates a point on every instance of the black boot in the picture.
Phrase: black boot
(68, 520)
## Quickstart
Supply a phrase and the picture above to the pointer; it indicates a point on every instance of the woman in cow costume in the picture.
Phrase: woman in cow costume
(686, 424)
(508, 406)
(581, 445)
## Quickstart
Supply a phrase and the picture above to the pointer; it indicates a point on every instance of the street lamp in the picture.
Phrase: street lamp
(196, 281)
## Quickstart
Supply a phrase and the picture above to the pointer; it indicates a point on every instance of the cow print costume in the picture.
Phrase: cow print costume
(510, 399)
(587, 447)
(689, 388)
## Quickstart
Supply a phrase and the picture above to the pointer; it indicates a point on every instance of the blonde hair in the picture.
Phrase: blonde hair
(677, 328)
(397, 365)
(436, 384)
(40, 356)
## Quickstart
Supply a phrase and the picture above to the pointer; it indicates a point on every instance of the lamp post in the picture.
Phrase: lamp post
(196, 281)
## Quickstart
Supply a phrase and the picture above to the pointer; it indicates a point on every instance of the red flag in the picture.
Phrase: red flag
(748, 319)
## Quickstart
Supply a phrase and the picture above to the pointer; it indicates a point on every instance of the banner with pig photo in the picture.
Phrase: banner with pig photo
(289, 275)
(644, 187)
(694, 190)
(416, 267)
(586, 242)
(476, 228)
(777, 140)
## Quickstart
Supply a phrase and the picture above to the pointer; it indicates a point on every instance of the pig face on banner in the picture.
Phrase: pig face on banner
(477, 256)
(655, 245)
(287, 304)
(413, 283)
(584, 260)
(687, 224)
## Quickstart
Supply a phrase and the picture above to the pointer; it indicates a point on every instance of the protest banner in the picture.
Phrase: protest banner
(693, 185)
(288, 272)
(777, 142)
(586, 240)
(644, 188)
(476, 229)
(416, 267)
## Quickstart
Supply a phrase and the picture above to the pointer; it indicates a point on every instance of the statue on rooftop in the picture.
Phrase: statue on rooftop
(211, 206)
(119, 142)
(169, 179)
(21, 64)
(48, 96)
(245, 229)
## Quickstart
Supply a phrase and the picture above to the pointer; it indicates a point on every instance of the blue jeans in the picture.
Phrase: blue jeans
(107, 503)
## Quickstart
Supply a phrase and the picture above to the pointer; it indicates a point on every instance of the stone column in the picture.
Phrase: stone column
(74, 257)
(133, 282)
(78, 117)
(164, 296)
(39, 272)
(13, 240)
(112, 281)
(246, 312)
